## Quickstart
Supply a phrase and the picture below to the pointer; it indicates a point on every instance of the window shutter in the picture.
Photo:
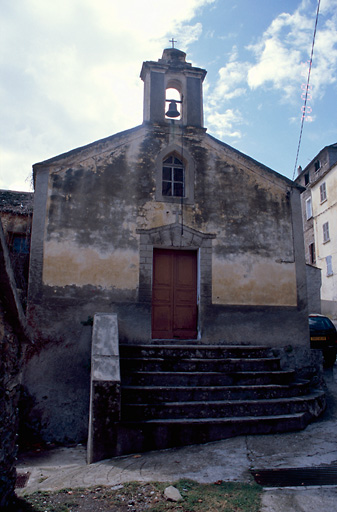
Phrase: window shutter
(322, 190)
(329, 271)
(309, 208)
(326, 235)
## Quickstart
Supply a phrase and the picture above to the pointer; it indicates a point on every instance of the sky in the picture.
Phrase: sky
(70, 74)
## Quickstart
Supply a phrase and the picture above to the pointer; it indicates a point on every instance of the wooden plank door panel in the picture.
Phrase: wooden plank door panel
(174, 294)
(185, 295)
(162, 295)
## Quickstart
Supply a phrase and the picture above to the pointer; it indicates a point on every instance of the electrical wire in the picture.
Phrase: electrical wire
(182, 157)
(306, 90)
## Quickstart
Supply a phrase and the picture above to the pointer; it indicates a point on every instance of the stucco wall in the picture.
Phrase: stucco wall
(326, 212)
(95, 207)
(91, 207)
(314, 281)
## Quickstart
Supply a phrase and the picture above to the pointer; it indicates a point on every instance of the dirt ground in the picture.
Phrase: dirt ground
(137, 497)
(96, 499)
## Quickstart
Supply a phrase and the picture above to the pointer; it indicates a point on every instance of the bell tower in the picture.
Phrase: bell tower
(172, 72)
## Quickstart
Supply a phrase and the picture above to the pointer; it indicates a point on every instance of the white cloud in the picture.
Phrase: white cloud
(328, 6)
(230, 76)
(280, 52)
(223, 124)
(71, 71)
(280, 63)
(277, 66)
(325, 57)
(287, 43)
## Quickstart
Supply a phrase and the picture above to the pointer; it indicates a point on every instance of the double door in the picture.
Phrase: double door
(174, 294)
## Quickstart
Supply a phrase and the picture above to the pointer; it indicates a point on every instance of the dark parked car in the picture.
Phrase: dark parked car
(323, 336)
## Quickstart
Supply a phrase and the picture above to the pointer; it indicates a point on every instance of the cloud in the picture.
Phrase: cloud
(280, 61)
(70, 71)
(281, 51)
(223, 124)
(230, 77)
(287, 43)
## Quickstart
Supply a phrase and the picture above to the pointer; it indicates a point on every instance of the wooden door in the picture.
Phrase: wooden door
(174, 294)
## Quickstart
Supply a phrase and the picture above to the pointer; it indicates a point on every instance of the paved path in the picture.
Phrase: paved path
(228, 460)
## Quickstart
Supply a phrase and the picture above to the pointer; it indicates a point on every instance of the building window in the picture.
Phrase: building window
(312, 254)
(317, 165)
(329, 271)
(326, 235)
(173, 184)
(308, 208)
(322, 190)
(174, 175)
(306, 179)
(18, 243)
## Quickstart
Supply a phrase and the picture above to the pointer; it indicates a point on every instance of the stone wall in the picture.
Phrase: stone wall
(13, 333)
(16, 210)
(10, 365)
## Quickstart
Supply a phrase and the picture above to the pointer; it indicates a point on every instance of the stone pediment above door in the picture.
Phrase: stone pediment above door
(175, 235)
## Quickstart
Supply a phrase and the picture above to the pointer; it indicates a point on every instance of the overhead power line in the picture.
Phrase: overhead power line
(306, 90)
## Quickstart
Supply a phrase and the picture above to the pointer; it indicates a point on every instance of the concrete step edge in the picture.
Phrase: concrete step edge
(206, 421)
(301, 398)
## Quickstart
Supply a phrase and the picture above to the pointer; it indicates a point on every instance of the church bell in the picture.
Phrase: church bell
(172, 110)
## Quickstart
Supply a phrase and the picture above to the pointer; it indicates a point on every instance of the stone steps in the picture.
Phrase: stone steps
(158, 364)
(159, 394)
(157, 434)
(174, 395)
(194, 350)
(220, 408)
(195, 379)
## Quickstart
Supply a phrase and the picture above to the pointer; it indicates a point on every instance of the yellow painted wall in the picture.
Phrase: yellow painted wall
(67, 263)
(253, 281)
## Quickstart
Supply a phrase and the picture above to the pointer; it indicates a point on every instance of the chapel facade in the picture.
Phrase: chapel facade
(185, 239)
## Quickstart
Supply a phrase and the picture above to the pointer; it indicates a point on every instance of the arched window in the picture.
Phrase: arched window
(173, 182)
(175, 170)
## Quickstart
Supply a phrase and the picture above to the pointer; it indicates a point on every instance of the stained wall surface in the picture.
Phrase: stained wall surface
(98, 215)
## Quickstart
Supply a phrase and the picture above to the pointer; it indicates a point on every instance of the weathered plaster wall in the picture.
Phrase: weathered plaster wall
(253, 281)
(89, 208)
(57, 379)
(314, 282)
(95, 207)
(67, 264)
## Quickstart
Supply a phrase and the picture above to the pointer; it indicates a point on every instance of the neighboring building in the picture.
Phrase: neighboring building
(177, 233)
(16, 209)
(319, 211)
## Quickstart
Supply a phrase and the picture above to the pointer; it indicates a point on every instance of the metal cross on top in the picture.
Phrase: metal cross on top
(172, 41)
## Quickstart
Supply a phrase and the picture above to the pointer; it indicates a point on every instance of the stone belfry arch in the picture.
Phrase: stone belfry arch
(172, 71)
